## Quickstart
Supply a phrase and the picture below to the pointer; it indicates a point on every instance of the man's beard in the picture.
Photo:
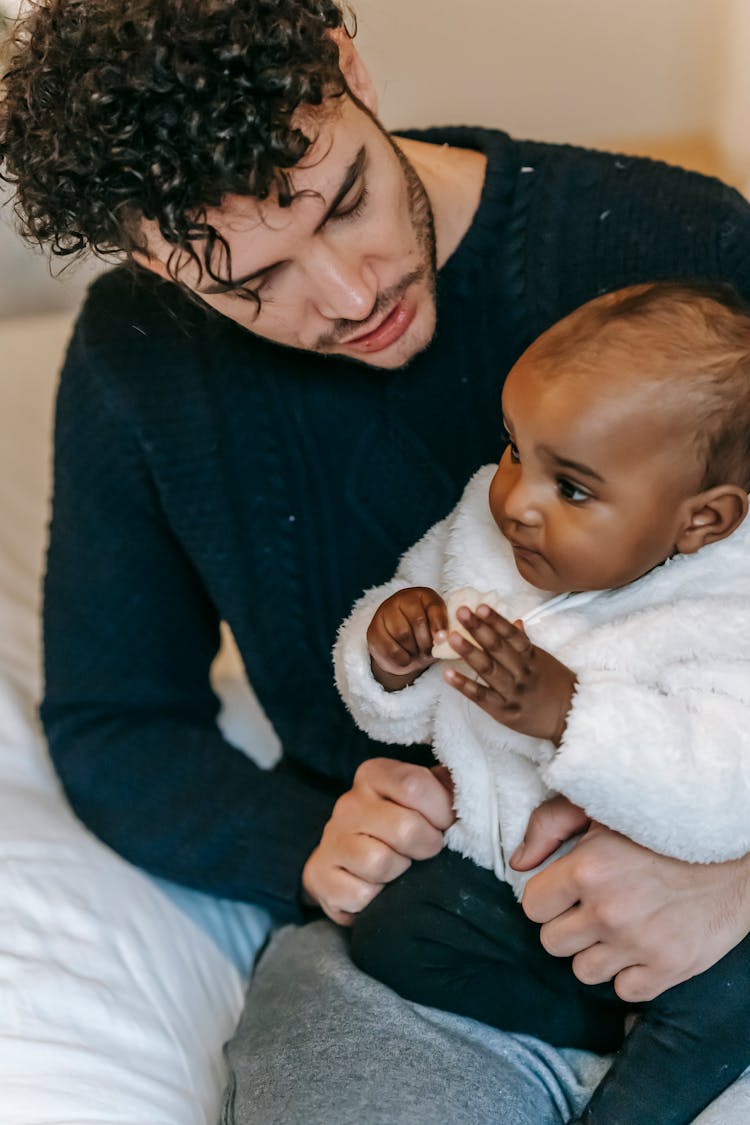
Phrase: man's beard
(422, 224)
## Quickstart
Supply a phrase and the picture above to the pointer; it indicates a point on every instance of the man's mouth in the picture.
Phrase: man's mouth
(390, 329)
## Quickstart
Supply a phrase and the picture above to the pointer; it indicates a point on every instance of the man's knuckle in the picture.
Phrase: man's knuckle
(549, 941)
(531, 904)
(375, 861)
(585, 973)
(368, 772)
(406, 836)
(411, 786)
(608, 913)
(340, 809)
(588, 872)
(362, 895)
(635, 989)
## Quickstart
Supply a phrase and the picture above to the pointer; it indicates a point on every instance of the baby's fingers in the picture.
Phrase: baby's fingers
(437, 616)
(491, 622)
(485, 697)
(508, 648)
(404, 631)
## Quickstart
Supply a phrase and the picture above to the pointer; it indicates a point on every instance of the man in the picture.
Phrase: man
(266, 464)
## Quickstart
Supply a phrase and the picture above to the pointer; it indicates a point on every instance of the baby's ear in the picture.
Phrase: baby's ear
(710, 516)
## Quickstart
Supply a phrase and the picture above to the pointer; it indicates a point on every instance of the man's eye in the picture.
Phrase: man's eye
(572, 492)
(514, 454)
(355, 209)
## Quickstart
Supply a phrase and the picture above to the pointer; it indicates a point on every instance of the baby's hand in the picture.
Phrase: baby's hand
(522, 686)
(400, 636)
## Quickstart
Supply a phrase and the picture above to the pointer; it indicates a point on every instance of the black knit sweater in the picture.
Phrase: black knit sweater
(203, 474)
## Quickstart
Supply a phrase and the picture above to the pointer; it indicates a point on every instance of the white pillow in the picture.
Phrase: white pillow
(116, 992)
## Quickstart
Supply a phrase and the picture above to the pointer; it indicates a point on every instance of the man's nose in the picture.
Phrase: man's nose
(344, 286)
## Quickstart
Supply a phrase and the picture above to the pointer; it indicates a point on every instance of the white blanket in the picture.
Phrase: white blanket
(115, 997)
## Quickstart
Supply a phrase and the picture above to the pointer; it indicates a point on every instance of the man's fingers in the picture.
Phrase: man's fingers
(547, 895)
(381, 822)
(570, 933)
(413, 788)
(638, 984)
(597, 964)
(343, 893)
(373, 861)
(549, 825)
(394, 812)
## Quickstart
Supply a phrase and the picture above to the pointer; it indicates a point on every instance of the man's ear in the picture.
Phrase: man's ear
(711, 516)
(355, 73)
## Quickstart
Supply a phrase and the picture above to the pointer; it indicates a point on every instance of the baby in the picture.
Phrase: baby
(605, 658)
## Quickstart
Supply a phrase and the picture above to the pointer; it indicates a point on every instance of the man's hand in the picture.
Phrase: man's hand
(624, 913)
(524, 687)
(400, 635)
(394, 813)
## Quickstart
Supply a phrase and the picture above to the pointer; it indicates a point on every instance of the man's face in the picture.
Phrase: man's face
(591, 487)
(349, 268)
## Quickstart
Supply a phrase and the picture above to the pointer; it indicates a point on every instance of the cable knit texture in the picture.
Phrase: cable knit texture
(201, 474)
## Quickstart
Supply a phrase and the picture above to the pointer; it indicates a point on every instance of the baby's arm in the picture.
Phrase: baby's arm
(379, 707)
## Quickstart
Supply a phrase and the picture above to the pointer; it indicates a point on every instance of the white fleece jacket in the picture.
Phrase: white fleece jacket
(657, 743)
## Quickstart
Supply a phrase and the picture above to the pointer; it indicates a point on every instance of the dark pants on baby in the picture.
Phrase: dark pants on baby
(450, 935)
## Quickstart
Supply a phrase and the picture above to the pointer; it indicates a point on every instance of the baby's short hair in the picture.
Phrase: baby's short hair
(695, 333)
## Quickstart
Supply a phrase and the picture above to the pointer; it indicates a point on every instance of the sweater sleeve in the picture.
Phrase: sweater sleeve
(403, 716)
(129, 634)
(664, 759)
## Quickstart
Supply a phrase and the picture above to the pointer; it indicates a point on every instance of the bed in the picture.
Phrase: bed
(116, 992)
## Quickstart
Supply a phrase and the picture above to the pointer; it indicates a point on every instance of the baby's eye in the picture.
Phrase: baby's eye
(571, 492)
(511, 446)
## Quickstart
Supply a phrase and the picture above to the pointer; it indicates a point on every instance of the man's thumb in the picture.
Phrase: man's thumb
(554, 821)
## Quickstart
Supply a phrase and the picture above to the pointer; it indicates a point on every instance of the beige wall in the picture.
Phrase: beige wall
(577, 70)
(733, 122)
(589, 71)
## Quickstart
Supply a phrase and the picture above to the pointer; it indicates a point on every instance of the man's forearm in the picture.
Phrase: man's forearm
(176, 799)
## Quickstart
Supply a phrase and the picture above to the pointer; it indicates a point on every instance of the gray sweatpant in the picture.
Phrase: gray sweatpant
(320, 1043)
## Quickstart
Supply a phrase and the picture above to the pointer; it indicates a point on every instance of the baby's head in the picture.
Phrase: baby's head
(629, 427)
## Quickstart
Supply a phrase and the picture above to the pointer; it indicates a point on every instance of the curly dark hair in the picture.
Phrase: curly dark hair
(155, 109)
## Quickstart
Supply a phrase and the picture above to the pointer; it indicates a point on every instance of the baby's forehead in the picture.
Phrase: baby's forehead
(607, 400)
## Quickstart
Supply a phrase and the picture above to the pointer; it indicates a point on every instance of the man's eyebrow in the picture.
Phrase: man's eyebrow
(350, 177)
(566, 463)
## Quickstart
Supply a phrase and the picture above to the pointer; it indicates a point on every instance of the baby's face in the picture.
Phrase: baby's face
(592, 485)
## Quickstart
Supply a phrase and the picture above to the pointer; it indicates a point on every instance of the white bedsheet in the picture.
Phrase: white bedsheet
(116, 993)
